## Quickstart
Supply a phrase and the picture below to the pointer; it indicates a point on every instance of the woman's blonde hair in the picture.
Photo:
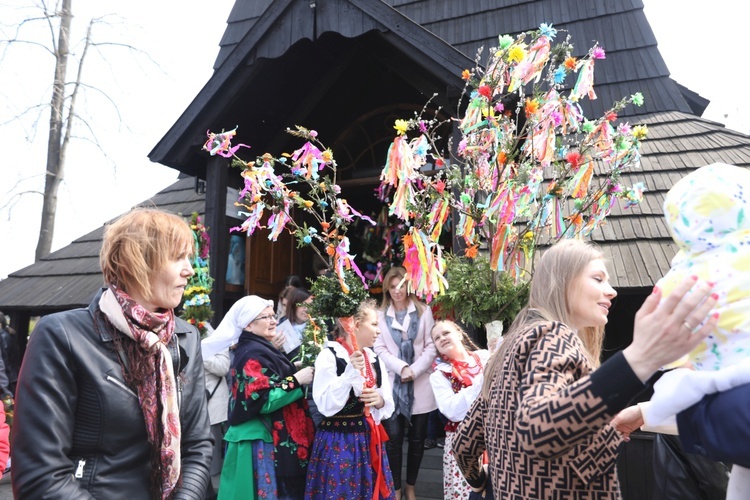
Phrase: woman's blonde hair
(400, 273)
(465, 339)
(364, 307)
(556, 277)
(139, 244)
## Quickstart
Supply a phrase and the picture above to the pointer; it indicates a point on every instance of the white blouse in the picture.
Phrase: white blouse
(331, 392)
(455, 405)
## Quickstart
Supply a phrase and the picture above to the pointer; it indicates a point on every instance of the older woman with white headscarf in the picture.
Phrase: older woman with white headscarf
(270, 431)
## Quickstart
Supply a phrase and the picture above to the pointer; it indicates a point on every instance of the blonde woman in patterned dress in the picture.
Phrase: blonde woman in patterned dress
(456, 383)
(545, 412)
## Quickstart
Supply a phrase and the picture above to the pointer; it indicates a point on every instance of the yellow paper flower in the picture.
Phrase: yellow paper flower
(401, 126)
(516, 54)
(466, 74)
(640, 132)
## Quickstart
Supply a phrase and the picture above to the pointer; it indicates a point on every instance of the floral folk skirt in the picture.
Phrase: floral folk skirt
(248, 472)
(340, 465)
(455, 486)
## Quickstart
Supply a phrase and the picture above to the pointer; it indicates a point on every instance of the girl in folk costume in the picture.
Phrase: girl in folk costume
(352, 391)
(456, 383)
(408, 352)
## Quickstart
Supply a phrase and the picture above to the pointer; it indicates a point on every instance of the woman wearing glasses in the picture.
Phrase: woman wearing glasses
(270, 431)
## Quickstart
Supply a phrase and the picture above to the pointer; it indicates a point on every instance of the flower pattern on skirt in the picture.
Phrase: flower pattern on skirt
(264, 470)
(340, 467)
(454, 484)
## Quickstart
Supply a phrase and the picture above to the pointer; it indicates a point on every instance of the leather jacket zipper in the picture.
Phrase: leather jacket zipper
(175, 352)
(79, 469)
(121, 385)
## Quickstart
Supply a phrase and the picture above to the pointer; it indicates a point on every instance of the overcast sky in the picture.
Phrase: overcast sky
(701, 49)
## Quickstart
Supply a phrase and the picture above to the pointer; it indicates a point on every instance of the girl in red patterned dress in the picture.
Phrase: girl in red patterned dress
(456, 383)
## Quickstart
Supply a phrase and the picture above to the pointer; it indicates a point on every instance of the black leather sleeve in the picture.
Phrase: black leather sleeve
(44, 415)
(197, 441)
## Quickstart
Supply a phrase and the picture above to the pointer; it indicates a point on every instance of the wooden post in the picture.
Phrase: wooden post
(216, 222)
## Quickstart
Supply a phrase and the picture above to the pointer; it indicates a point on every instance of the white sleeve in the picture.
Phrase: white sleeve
(454, 405)
(681, 388)
(330, 391)
(218, 364)
(667, 426)
(386, 391)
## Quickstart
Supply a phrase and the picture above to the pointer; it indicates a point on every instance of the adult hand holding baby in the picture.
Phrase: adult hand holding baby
(660, 334)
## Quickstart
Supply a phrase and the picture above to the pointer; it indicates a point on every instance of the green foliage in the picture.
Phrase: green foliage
(331, 301)
(473, 298)
(313, 338)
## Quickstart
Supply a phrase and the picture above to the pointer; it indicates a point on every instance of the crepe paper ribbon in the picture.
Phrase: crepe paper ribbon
(378, 436)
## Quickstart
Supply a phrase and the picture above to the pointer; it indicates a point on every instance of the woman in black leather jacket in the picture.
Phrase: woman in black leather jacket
(110, 399)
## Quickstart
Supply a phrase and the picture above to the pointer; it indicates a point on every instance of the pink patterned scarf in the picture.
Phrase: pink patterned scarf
(152, 332)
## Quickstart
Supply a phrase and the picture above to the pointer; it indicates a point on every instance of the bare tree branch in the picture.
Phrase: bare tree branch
(67, 123)
(14, 199)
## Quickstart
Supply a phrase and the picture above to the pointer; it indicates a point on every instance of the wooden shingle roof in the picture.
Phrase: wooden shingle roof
(260, 32)
(633, 60)
(69, 277)
(636, 240)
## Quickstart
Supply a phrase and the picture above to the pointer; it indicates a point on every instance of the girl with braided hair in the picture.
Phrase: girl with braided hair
(352, 391)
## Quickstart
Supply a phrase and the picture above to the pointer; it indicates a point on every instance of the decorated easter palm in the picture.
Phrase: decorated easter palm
(196, 308)
(305, 180)
(285, 193)
(529, 167)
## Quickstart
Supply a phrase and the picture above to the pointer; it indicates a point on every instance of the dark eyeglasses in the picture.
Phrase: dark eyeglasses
(267, 316)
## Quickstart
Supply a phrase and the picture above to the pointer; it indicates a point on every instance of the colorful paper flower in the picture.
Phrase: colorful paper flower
(401, 126)
(505, 41)
(516, 54)
(547, 30)
(559, 75)
(597, 53)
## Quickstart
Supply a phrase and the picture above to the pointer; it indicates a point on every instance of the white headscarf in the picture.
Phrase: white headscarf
(236, 319)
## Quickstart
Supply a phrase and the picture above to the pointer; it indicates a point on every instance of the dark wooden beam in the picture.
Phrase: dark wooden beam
(216, 221)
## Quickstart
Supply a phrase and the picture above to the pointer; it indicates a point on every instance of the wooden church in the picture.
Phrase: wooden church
(348, 69)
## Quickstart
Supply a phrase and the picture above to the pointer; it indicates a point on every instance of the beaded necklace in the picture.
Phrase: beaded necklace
(369, 375)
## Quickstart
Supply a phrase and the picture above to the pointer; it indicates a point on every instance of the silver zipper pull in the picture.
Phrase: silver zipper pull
(79, 470)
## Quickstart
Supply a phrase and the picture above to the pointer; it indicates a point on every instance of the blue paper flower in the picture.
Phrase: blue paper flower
(547, 30)
(559, 75)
